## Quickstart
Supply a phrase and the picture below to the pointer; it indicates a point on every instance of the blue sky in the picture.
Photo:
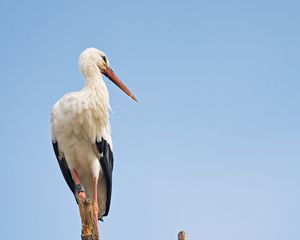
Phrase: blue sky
(213, 145)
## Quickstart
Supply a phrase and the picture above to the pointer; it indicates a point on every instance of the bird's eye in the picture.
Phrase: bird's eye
(104, 59)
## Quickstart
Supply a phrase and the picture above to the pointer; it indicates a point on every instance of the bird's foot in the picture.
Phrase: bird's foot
(80, 192)
(81, 195)
(95, 210)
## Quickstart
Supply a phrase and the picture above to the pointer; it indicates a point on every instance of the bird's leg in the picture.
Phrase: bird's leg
(95, 202)
(79, 189)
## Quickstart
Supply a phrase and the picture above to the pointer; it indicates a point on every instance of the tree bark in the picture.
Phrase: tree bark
(89, 223)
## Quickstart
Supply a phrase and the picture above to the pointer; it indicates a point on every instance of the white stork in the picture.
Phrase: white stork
(81, 135)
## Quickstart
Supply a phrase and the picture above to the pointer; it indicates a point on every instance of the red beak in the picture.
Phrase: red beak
(109, 73)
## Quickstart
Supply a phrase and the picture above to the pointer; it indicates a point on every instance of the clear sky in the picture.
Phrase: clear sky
(213, 145)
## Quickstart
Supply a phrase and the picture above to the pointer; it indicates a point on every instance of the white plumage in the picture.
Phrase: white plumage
(80, 119)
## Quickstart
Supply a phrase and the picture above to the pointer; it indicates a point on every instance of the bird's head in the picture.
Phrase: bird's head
(92, 60)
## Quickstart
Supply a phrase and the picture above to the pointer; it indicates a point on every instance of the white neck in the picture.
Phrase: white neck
(94, 84)
(96, 95)
(93, 79)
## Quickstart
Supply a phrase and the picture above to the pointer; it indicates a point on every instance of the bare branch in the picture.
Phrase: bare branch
(89, 223)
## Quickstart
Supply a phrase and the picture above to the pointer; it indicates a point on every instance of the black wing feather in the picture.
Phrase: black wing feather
(64, 168)
(107, 164)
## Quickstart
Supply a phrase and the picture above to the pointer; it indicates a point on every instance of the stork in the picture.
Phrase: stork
(81, 134)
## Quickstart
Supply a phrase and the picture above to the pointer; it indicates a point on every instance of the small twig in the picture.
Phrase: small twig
(182, 235)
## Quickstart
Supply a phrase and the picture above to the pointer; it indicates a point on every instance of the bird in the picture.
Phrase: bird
(81, 133)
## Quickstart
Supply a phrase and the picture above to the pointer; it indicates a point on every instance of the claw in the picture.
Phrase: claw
(81, 195)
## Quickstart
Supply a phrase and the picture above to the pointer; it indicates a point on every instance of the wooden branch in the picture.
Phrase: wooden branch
(182, 235)
(89, 223)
